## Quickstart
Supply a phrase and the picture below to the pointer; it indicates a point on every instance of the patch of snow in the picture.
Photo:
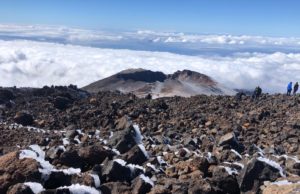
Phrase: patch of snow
(160, 160)
(138, 136)
(111, 135)
(66, 141)
(152, 167)
(69, 171)
(229, 170)
(187, 151)
(143, 149)
(239, 164)
(77, 140)
(79, 131)
(236, 153)
(38, 150)
(80, 189)
(273, 164)
(35, 187)
(135, 166)
(116, 151)
(120, 161)
(282, 182)
(96, 180)
(147, 179)
(45, 167)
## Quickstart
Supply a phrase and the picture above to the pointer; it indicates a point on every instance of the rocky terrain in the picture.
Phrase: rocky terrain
(65, 140)
(142, 82)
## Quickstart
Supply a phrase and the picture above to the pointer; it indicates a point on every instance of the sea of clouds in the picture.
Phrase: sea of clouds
(41, 55)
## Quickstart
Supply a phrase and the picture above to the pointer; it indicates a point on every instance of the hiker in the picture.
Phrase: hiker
(257, 92)
(289, 88)
(296, 86)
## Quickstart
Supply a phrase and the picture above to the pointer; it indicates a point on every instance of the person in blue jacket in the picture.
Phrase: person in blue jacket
(289, 88)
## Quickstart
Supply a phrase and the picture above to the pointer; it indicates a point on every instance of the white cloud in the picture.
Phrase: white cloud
(77, 35)
(30, 63)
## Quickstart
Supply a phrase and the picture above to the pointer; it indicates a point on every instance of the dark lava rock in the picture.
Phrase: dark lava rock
(23, 118)
(57, 179)
(61, 103)
(6, 95)
(136, 155)
(95, 154)
(224, 181)
(142, 184)
(124, 140)
(115, 187)
(255, 173)
(116, 170)
(19, 189)
(71, 158)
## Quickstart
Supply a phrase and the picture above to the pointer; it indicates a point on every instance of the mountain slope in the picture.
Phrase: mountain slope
(142, 82)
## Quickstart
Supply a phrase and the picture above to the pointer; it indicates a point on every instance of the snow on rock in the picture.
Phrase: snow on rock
(147, 179)
(45, 167)
(143, 149)
(120, 161)
(152, 167)
(282, 182)
(111, 135)
(66, 141)
(236, 153)
(38, 150)
(132, 167)
(96, 180)
(160, 160)
(138, 136)
(80, 189)
(273, 164)
(35, 187)
(229, 170)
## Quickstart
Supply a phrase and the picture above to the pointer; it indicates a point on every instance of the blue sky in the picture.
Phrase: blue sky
(252, 17)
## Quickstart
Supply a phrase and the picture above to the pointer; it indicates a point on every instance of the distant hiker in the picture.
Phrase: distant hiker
(257, 92)
(289, 88)
(296, 86)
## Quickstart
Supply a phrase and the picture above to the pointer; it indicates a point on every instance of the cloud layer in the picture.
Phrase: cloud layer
(31, 63)
(180, 43)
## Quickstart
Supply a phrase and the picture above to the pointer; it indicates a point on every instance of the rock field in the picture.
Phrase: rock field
(60, 140)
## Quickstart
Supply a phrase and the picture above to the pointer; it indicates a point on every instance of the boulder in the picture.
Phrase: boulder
(13, 170)
(23, 118)
(115, 187)
(124, 140)
(95, 154)
(61, 103)
(256, 172)
(142, 184)
(136, 155)
(117, 170)
(228, 139)
(6, 95)
(71, 158)
(19, 189)
(225, 180)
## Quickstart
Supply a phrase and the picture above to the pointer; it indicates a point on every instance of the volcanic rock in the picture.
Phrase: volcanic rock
(14, 170)
(23, 118)
(20, 188)
(256, 172)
